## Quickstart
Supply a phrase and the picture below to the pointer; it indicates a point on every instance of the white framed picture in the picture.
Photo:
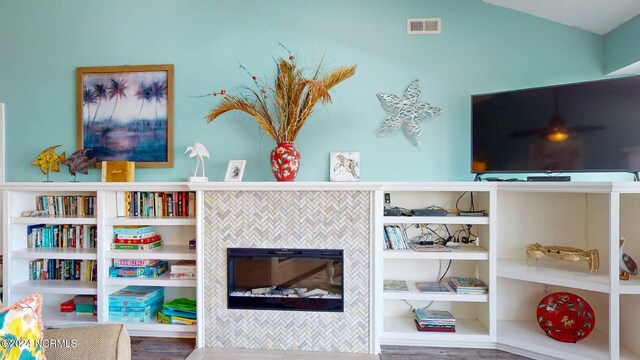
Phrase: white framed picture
(344, 166)
(235, 170)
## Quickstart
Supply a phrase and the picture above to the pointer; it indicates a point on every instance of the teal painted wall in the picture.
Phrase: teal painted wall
(483, 48)
(621, 46)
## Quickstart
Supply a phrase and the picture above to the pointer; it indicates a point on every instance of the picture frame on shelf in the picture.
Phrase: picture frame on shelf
(126, 113)
(235, 170)
(344, 166)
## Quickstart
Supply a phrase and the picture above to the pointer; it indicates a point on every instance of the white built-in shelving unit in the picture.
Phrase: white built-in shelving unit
(587, 215)
(475, 319)
(175, 232)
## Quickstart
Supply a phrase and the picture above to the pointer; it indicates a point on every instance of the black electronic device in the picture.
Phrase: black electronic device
(397, 211)
(472, 213)
(430, 212)
(581, 127)
(548, 178)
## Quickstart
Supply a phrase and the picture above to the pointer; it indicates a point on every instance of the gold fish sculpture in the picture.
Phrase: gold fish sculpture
(49, 161)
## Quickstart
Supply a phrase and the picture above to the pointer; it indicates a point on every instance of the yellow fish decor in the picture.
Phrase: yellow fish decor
(49, 161)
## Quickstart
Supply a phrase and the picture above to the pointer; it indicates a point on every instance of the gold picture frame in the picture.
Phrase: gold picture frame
(126, 113)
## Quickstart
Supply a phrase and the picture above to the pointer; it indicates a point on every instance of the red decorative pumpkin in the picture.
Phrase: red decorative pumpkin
(285, 161)
(565, 317)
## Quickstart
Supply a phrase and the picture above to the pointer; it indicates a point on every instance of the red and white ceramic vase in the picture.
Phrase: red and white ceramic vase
(285, 161)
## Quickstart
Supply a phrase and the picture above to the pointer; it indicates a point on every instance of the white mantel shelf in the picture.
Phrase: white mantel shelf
(286, 186)
(95, 186)
(571, 186)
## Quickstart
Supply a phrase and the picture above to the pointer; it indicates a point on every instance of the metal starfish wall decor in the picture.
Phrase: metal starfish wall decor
(407, 112)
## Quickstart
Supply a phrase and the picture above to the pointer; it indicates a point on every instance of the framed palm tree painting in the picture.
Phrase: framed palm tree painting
(126, 113)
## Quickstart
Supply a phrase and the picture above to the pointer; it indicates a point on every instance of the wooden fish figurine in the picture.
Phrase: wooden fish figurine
(80, 162)
(49, 161)
(535, 251)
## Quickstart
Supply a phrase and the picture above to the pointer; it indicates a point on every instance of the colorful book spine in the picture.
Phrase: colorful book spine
(141, 247)
(182, 276)
(146, 240)
(134, 262)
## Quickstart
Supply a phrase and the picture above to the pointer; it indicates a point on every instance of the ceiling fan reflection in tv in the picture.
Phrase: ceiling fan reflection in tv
(557, 129)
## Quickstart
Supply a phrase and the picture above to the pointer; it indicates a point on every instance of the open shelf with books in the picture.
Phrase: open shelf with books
(75, 228)
(462, 247)
(146, 234)
(54, 253)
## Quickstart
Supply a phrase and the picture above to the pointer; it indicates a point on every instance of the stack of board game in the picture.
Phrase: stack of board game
(183, 269)
(80, 304)
(178, 311)
(471, 286)
(135, 303)
(135, 237)
(146, 268)
(435, 321)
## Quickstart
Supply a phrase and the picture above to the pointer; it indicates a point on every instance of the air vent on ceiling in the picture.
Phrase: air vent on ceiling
(424, 26)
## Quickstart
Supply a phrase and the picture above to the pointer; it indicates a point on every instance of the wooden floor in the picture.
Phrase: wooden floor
(149, 348)
(433, 353)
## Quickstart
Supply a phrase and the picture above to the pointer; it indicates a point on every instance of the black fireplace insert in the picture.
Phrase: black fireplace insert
(285, 279)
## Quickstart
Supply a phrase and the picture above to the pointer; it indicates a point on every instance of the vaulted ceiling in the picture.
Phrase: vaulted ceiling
(597, 16)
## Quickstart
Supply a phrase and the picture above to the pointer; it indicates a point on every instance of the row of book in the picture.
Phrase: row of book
(472, 286)
(62, 236)
(143, 203)
(137, 304)
(395, 238)
(434, 321)
(59, 269)
(135, 237)
(67, 205)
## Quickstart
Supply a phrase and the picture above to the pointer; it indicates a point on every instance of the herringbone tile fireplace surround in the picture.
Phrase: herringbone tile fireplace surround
(288, 219)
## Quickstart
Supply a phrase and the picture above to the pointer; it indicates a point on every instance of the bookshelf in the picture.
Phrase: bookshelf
(474, 313)
(64, 229)
(584, 215)
(175, 231)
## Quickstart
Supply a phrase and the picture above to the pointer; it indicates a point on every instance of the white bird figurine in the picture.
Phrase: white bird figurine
(199, 150)
(627, 264)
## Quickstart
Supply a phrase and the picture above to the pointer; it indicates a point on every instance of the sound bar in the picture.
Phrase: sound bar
(548, 178)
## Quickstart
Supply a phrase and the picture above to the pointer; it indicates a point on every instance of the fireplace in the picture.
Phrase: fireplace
(285, 279)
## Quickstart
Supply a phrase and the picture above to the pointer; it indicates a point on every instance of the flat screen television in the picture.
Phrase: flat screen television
(583, 127)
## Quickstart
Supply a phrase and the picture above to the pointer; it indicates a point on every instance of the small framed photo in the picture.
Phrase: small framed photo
(235, 170)
(344, 166)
